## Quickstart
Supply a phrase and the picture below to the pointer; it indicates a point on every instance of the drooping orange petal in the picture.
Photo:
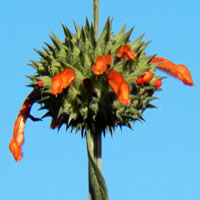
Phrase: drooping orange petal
(18, 132)
(184, 75)
(15, 150)
(178, 71)
(125, 51)
(119, 86)
(148, 76)
(101, 64)
(62, 80)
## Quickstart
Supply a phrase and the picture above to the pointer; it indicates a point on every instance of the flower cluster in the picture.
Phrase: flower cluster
(94, 85)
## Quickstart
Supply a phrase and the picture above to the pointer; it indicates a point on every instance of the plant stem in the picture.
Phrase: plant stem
(96, 17)
(94, 146)
(97, 150)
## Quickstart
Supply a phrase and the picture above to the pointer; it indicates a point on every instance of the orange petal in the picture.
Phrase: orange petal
(157, 83)
(18, 132)
(148, 76)
(68, 76)
(158, 59)
(15, 150)
(122, 51)
(62, 80)
(119, 86)
(178, 71)
(125, 51)
(119, 53)
(108, 59)
(101, 64)
(124, 92)
(184, 75)
(40, 83)
(114, 80)
(131, 55)
(139, 80)
(57, 83)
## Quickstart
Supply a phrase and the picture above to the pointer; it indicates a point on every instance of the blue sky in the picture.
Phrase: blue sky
(160, 160)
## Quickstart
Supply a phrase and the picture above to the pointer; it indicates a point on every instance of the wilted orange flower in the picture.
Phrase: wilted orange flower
(125, 51)
(148, 76)
(18, 133)
(62, 80)
(119, 86)
(179, 71)
(101, 64)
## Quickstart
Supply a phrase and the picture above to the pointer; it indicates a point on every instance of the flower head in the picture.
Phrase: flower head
(84, 61)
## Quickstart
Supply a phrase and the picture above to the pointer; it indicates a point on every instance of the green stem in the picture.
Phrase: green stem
(94, 147)
(96, 17)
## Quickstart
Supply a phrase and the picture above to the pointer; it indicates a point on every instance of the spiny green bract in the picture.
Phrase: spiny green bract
(93, 105)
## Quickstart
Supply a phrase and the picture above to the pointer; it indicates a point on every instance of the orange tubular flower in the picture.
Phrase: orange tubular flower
(119, 86)
(178, 71)
(101, 64)
(148, 76)
(125, 51)
(62, 80)
(124, 92)
(18, 133)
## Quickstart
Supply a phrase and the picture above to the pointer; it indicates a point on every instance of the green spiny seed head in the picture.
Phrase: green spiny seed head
(89, 102)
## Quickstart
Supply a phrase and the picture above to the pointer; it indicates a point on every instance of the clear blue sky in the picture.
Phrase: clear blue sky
(160, 160)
